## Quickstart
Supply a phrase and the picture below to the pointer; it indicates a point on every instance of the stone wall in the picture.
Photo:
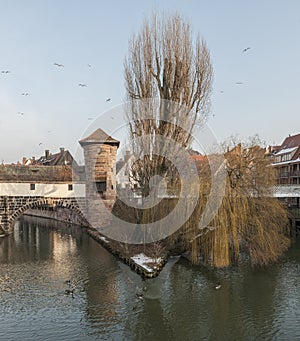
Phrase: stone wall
(11, 207)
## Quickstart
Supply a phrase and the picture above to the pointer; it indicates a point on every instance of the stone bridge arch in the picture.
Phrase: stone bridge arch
(14, 207)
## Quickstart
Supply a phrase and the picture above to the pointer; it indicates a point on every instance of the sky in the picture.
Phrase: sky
(43, 107)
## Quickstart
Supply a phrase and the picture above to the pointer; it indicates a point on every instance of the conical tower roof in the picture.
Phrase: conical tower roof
(99, 137)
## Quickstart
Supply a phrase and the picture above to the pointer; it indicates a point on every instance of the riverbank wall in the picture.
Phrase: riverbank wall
(151, 269)
(122, 252)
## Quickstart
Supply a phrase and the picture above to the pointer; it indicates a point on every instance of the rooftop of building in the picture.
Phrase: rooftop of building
(99, 137)
(41, 174)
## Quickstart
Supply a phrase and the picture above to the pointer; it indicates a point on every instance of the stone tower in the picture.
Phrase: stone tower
(100, 152)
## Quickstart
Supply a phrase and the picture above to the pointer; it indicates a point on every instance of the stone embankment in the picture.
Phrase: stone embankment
(147, 267)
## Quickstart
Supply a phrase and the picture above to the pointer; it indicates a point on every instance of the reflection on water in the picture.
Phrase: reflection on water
(181, 304)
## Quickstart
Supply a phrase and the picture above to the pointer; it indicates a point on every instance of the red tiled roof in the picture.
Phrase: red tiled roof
(63, 157)
(291, 142)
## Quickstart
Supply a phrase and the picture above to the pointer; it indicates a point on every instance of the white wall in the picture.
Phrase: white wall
(45, 190)
(290, 191)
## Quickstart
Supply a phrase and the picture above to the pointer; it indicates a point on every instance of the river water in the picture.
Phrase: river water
(181, 304)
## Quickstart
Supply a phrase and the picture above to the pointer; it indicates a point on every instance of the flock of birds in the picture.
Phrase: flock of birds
(59, 65)
(139, 295)
(82, 85)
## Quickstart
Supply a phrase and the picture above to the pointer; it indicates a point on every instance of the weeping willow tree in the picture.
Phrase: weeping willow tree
(250, 222)
(168, 79)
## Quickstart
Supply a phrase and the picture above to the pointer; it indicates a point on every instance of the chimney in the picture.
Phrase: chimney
(33, 160)
(47, 154)
(62, 149)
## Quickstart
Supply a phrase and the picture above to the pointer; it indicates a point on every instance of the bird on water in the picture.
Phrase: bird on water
(218, 286)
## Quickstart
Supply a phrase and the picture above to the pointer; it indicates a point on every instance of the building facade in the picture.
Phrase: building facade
(286, 160)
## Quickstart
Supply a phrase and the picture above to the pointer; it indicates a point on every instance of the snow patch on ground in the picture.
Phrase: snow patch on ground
(104, 239)
(146, 262)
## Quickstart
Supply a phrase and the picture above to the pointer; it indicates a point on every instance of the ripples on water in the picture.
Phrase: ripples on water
(181, 304)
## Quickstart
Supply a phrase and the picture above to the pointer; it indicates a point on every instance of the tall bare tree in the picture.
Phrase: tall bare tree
(168, 78)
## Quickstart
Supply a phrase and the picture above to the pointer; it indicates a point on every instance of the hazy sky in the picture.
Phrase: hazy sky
(90, 39)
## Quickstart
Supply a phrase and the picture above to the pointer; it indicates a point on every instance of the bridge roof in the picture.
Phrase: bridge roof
(99, 137)
(37, 173)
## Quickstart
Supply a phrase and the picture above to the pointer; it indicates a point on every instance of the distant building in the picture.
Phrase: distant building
(286, 160)
(123, 168)
(62, 158)
(129, 185)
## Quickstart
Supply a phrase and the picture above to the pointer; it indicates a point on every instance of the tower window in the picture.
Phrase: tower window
(32, 187)
(101, 186)
(70, 187)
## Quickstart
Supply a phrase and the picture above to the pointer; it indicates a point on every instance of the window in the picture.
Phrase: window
(286, 157)
(112, 186)
(101, 187)
(32, 187)
(70, 187)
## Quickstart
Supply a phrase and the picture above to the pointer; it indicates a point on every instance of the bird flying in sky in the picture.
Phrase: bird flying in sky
(59, 65)
(25, 93)
(108, 100)
(246, 49)
(82, 85)
(5, 71)
(239, 83)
